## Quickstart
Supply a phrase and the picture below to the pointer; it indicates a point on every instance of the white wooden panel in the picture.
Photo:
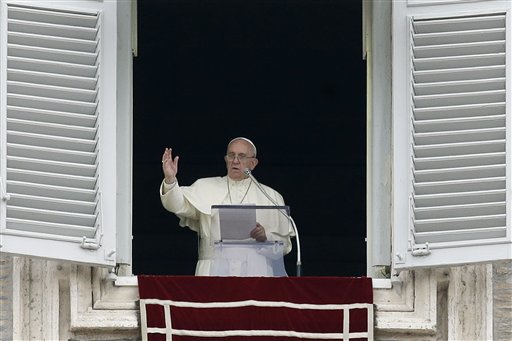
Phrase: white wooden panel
(64, 168)
(47, 203)
(53, 129)
(50, 91)
(27, 76)
(58, 43)
(461, 148)
(453, 211)
(53, 179)
(40, 115)
(52, 122)
(464, 153)
(457, 111)
(51, 66)
(66, 143)
(46, 228)
(52, 191)
(42, 15)
(459, 161)
(457, 74)
(58, 67)
(55, 104)
(431, 201)
(52, 29)
(52, 154)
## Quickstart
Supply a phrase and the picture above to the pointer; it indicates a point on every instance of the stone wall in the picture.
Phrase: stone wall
(502, 296)
(5, 297)
(59, 300)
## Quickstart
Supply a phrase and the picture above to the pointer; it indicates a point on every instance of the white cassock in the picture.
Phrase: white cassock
(192, 204)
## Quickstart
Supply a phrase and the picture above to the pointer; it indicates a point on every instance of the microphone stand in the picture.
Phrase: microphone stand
(248, 172)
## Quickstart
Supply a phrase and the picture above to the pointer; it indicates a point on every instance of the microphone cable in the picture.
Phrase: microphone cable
(248, 172)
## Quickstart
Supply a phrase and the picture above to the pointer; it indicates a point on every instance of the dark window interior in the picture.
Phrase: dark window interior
(290, 76)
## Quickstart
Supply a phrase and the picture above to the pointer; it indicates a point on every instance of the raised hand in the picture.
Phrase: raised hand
(169, 166)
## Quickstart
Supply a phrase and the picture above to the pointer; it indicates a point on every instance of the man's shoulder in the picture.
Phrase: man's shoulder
(204, 192)
(209, 181)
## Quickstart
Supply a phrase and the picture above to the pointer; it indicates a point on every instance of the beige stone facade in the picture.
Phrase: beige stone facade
(48, 300)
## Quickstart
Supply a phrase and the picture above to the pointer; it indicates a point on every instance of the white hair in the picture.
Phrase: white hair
(246, 140)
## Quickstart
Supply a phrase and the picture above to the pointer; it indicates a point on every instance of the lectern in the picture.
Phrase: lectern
(236, 253)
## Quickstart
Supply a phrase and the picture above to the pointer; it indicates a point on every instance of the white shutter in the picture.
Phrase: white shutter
(457, 106)
(51, 135)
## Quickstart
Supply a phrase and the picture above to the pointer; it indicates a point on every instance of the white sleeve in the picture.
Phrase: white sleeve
(174, 201)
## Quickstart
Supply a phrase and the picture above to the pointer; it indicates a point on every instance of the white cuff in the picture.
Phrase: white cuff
(167, 187)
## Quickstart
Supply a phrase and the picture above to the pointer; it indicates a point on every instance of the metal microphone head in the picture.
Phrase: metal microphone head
(247, 171)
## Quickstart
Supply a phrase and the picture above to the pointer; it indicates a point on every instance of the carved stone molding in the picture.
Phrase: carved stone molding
(408, 307)
(61, 301)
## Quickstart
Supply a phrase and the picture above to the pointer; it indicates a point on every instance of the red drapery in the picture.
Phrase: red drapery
(259, 308)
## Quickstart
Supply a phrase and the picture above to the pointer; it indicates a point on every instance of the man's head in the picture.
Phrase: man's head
(240, 154)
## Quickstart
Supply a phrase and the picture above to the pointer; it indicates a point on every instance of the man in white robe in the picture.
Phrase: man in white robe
(192, 204)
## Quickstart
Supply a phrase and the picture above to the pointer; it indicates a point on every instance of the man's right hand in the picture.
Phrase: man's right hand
(169, 166)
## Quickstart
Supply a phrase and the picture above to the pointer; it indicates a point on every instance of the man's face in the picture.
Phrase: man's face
(239, 156)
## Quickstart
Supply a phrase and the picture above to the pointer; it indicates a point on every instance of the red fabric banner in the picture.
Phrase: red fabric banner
(243, 308)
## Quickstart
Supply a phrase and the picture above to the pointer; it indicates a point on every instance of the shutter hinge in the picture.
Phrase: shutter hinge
(3, 191)
(421, 250)
(91, 244)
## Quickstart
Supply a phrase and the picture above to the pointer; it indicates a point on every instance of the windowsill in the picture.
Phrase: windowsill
(126, 281)
(131, 281)
(381, 283)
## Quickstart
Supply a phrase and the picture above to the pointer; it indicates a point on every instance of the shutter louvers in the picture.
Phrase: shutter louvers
(52, 123)
(458, 130)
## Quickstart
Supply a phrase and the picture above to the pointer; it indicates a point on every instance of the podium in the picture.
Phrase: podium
(249, 259)
(236, 253)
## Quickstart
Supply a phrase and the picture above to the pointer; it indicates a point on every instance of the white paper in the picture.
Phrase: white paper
(237, 223)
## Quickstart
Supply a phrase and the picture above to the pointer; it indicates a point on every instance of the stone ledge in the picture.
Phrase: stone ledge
(409, 306)
(106, 320)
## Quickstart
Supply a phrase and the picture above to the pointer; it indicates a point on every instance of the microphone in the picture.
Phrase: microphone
(248, 172)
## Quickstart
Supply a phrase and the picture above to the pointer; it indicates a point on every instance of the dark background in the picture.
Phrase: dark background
(290, 76)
